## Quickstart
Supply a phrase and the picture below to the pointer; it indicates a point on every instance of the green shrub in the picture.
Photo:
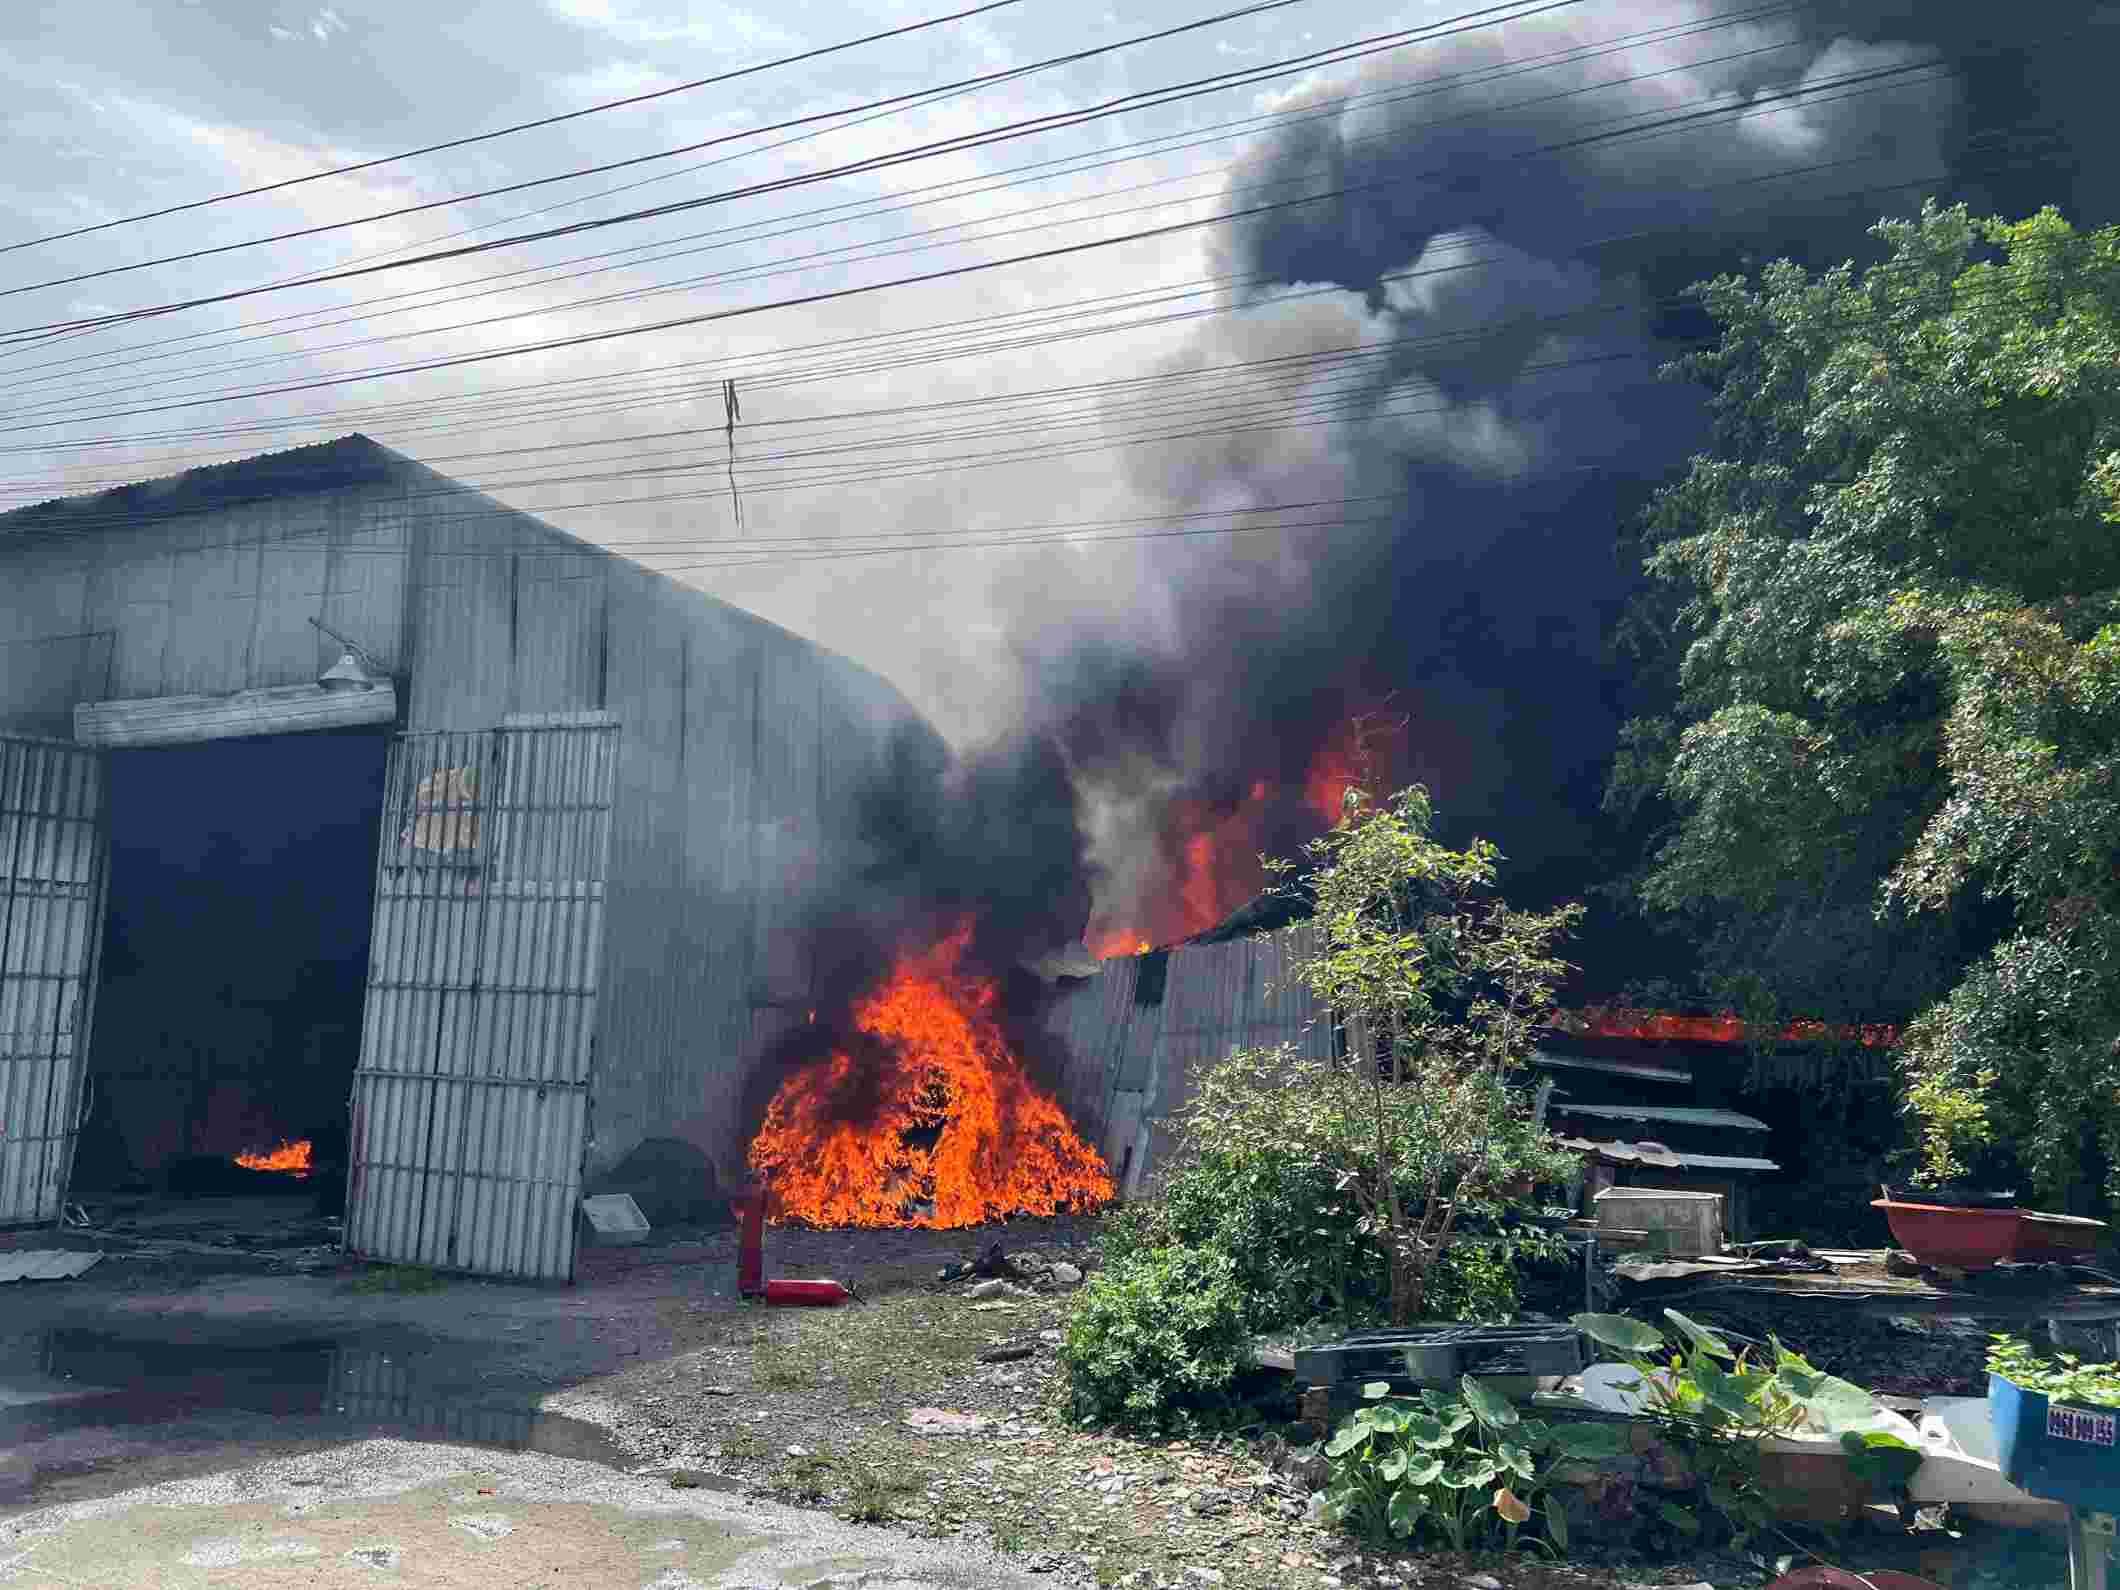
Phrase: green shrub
(1480, 1277)
(1157, 1339)
(1465, 1470)
(1294, 1243)
(1299, 1246)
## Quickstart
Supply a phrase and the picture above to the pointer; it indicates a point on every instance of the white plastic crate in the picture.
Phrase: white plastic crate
(1689, 1223)
(615, 1218)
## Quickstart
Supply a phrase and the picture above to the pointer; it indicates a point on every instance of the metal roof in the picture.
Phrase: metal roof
(45, 1264)
(1674, 1114)
(1663, 1158)
(1640, 1070)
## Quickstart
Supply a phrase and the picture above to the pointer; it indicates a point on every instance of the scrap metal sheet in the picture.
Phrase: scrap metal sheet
(45, 1264)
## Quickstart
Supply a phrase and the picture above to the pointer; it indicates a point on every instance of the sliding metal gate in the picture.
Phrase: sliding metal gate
(53, 854)
(471, 1101)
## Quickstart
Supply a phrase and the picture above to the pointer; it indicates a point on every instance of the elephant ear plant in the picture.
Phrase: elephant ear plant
(1465, 1469)
(1720, 1403)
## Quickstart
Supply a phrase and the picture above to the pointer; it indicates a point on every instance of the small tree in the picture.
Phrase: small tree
(1438, 988)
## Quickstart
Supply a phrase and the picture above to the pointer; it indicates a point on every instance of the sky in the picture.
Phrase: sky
(1368, 442)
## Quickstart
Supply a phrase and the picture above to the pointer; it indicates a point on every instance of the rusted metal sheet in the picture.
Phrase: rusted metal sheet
(52, 871)
(471, 1101)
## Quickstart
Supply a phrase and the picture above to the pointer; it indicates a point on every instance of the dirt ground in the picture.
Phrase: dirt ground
(926, 1406)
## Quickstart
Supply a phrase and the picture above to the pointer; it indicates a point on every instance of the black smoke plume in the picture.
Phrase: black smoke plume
(1489, 305)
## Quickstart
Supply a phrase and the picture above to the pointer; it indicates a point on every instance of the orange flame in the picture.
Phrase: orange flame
(1613, 1021)
(292, 1157)
(958, 1135)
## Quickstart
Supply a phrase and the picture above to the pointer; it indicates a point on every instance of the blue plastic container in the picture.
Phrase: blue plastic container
(2063, 1453)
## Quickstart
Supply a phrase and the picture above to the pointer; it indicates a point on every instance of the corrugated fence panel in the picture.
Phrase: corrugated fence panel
(471, 1102)
(1141, 1058)
(52, 857)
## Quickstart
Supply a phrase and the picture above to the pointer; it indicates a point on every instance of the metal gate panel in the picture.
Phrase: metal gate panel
(471, 1102)
(52, 870)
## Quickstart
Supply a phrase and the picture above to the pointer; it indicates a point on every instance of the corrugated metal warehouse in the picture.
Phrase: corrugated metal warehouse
(391, 793)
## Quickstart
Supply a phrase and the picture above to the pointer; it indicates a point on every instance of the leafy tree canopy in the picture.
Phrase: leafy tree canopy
(1894, 591)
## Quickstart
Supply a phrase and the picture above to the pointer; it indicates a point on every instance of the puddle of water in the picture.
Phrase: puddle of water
(72, 1380)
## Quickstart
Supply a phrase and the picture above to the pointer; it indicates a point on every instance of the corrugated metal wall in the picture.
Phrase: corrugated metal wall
(471, 1101)
(51, 896)
(1132, 1062)
(738, 739)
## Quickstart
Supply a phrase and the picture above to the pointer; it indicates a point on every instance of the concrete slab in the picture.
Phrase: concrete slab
(390, 1513)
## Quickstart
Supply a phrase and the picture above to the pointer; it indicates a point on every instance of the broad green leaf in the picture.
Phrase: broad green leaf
(1700, 1335)
(1589, 1440)
(1405, 1512)
(1619, 1332)
(1836, 1405)
(1557, 1523)
(1428, 1432)
(1678, 1518)
(1489, 1406)
(1881, 1458)
(1346, 1440)
(1724, 1393)
(1392, 1468)
(1374, 1389)
(1424, 1471)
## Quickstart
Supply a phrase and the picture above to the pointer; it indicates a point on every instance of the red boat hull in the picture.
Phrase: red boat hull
(1962, 1239)
(2058, 1238)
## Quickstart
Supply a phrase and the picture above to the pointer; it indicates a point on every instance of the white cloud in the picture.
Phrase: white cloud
(648, 26)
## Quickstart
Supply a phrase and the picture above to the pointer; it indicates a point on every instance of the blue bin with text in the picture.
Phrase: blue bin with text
(2064, 1453)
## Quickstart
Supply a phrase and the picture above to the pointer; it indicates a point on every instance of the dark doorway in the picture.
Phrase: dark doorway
(235, 957)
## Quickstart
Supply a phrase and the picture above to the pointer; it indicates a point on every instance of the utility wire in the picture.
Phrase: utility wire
(1169, 143)
(1671, 124)
(875, 249)
(961, 85)
(524, 126)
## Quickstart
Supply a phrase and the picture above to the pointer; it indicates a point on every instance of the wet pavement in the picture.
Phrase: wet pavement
(391, 1513)
(77, 1402)
(385, 1456)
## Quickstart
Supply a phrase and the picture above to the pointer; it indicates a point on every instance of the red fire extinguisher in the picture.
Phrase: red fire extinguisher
(750, 1206)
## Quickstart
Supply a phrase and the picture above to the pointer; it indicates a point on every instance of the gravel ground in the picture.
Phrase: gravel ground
(925, 1408)
(934, 1408)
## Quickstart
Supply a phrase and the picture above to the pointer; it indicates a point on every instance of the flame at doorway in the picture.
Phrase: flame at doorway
(289, 1158)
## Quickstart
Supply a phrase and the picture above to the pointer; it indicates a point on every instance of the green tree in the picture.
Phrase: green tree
(1893, 594)
(1438, 986)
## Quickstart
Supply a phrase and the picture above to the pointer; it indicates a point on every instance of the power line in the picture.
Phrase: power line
(1169, 143)
(1670, 124)
(493, 405)
(525, 126)
(869, 250)
(961, 85)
